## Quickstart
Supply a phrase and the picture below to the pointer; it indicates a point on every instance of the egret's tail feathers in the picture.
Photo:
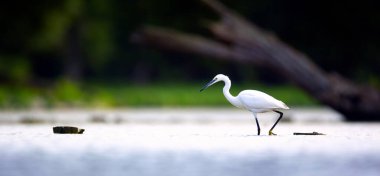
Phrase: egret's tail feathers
(283, 105)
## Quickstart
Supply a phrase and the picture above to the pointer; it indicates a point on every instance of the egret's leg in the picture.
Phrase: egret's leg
(270, 131)
(257, 124)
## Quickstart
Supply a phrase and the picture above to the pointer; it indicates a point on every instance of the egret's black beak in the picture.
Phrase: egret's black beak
(208, 85)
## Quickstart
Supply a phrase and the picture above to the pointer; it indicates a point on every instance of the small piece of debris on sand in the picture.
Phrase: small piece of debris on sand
(313, 133)
(67, 130)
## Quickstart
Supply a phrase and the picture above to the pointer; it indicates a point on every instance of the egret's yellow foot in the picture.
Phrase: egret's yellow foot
(272, 134)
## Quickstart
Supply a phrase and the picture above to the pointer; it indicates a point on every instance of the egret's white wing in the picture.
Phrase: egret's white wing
(253, 99)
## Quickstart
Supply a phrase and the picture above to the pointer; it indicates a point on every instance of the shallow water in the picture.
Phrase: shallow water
(191, 149)
(164, 115)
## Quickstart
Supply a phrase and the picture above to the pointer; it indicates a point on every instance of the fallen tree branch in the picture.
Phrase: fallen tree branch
(249, 44)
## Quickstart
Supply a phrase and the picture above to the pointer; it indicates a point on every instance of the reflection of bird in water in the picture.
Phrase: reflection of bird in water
(251, 100)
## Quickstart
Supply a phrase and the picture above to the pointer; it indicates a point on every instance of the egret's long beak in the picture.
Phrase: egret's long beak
(208, 85)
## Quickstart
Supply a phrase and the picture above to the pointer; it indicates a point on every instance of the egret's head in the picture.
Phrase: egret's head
(216, 79)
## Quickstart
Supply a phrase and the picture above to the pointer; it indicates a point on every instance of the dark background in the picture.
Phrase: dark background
(43, 41)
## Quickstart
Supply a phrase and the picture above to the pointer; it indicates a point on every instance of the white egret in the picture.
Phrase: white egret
(251, 100)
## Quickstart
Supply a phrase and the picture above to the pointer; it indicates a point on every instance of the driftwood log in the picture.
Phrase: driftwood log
(244, 42)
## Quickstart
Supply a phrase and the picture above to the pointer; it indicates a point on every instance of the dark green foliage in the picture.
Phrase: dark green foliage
(43, 42)
(69, 94)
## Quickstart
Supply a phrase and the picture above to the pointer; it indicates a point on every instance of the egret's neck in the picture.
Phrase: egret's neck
(226, 91)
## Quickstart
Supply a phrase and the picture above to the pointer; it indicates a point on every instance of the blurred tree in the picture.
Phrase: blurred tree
(246, 43)
(89, 40)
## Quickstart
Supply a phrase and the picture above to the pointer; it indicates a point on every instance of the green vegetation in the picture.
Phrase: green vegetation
(66, 94)
(44, 40)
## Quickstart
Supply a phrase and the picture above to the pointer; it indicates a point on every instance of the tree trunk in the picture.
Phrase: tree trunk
(248, 43)
(73, 53)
